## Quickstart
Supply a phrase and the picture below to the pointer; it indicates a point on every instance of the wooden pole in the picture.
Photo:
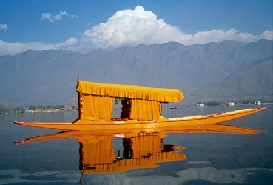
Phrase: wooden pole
(79, 98)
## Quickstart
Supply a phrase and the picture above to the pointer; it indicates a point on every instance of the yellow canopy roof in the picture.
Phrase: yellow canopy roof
(130, 91)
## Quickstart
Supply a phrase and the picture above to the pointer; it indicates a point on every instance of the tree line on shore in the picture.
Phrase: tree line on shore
(13, 108)
(239, 102)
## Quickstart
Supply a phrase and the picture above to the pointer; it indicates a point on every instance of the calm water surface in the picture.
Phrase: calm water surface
(178, 158)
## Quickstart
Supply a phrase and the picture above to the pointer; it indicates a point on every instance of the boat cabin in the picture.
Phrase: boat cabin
(95, 100)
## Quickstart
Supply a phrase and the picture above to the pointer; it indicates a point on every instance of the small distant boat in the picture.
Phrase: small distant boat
(200, 105)
(175, 107)
(141, 108)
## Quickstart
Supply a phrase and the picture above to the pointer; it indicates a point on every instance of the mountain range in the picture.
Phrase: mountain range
(225, 70)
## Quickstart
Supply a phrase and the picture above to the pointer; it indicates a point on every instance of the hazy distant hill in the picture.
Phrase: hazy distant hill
(252, 79)
(214, 70)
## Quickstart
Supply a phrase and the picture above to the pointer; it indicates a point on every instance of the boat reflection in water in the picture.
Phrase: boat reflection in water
(141, 148)
(140, 151)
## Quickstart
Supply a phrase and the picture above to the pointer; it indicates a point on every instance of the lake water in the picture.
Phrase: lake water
(176, 158)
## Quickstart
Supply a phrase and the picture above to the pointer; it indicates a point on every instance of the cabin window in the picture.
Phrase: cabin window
(126, 108)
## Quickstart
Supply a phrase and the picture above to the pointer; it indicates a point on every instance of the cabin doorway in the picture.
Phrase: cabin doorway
(121, 108)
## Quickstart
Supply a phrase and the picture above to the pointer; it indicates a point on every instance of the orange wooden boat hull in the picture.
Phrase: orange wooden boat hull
(133, 124)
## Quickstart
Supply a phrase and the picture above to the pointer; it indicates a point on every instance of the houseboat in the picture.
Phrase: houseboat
(141, 109)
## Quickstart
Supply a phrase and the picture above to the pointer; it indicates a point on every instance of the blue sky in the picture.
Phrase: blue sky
(85, 25)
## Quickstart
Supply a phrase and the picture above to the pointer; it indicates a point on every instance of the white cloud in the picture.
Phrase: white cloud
(3, 27)
(203, 37)
(56, 17)
(130, 28)
(47, 16)
(71, 41)
(267, 35)
(59, 16)
(74, 16)
(69, 44)
(14, 48)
